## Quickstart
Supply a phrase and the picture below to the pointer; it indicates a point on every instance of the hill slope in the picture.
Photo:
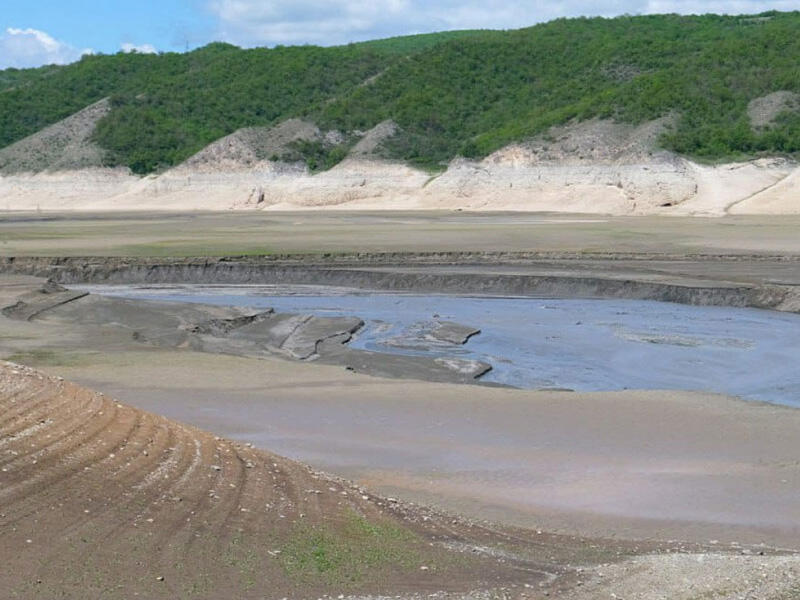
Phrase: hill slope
(463, 93)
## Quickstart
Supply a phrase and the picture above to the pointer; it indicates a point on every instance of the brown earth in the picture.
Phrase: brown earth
(200, 388)
(100, 499)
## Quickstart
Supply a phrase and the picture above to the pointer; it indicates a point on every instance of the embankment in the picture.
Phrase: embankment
(435, 273)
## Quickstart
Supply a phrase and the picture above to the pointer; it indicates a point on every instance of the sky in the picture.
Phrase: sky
(37, 32)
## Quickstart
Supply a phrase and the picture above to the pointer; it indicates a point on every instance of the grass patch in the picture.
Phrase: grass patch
(348, 554)
(48, 358)
(183, 248)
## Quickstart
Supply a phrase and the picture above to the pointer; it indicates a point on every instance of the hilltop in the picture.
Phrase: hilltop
(452, 94)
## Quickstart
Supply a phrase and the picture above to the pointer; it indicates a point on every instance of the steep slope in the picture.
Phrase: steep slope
(66, 145)
(61, 166)
(596, 166)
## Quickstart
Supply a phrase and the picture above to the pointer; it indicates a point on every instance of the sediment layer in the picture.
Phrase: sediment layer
(489, 274)
(223, 330)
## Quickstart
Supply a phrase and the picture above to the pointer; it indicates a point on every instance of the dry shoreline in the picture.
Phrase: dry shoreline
(726, 281)
(647, 465)
(102, 500)
(621, 466)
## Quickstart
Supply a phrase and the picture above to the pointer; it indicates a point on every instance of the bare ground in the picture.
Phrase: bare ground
(103, 500)
(66, 145)
(597, 166)
(122, 548)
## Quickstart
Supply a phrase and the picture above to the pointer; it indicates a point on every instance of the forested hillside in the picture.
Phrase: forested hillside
(458, 93)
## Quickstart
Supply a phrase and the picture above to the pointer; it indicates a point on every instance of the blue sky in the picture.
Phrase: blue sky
(36, 32)
(105, 25)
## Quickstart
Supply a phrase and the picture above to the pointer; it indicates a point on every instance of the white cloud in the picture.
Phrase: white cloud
(22, 48)
(729, 7)
(141, 49)
(326, 22)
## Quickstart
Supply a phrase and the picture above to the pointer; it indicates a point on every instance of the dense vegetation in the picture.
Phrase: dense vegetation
(458, 93)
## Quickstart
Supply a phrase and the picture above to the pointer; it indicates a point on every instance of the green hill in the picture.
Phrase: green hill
(457, 93)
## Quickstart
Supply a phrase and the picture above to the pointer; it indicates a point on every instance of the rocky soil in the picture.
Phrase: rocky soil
(65, 146)
(102, 500)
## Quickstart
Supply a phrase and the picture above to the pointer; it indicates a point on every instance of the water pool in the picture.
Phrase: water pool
(579, 344)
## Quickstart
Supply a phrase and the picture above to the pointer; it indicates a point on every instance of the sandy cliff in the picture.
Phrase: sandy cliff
(592, 167)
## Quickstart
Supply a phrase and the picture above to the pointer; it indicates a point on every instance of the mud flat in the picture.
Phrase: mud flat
(101, 499)
(176, 234)
(634, 465)
(758, 282)
(255, 332)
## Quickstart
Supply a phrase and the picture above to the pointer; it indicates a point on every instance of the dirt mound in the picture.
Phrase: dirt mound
(101, 499)
(597, 166)
(782, 198)
(598, 141)
(249, 146)
(371, 142)
(66, 145)
(763, 111)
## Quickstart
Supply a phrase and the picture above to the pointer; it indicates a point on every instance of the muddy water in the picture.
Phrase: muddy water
(584, 345)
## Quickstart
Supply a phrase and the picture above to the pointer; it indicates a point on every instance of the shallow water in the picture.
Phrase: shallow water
(576, 344)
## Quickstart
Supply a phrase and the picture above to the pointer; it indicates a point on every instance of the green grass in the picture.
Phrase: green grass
(346, 554)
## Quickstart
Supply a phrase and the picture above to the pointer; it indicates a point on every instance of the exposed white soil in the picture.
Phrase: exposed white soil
(81, 189)
(781, 199)
(763, 111)
(249, 147)
(596, 166)
(65, 145)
